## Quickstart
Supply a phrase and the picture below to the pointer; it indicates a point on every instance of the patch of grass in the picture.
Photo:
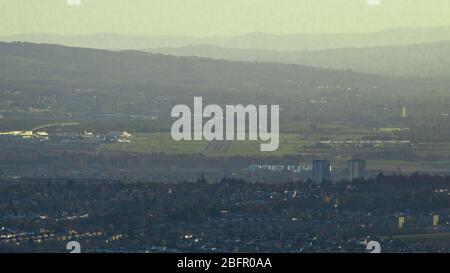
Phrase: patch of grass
(155, 143)
(163, 143)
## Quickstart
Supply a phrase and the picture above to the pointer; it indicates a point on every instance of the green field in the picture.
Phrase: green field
(163, 143)
(155, 143)
(290, 144)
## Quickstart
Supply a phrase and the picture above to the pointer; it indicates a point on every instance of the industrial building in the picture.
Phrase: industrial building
(321, 170)
(356, 169)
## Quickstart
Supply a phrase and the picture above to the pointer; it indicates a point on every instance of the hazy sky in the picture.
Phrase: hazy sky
(217, 17)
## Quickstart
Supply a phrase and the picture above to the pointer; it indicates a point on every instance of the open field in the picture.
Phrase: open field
(156, 143)
(295, 138)
(290, 144)
(163, 143)
(408, 166)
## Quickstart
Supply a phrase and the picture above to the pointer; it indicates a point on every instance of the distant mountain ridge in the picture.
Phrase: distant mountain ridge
(31, 66)
(424, 60)
(264, 41)
(78, 80)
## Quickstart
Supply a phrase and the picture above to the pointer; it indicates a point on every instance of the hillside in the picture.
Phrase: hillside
(424, 60)
(30, 66)
(421, 60)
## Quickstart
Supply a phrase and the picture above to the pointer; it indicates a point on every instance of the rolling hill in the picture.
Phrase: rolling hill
(418, 60)
(29, 66)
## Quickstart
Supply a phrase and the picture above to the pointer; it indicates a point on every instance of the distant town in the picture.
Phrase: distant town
(87, 153)
(404, 213)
